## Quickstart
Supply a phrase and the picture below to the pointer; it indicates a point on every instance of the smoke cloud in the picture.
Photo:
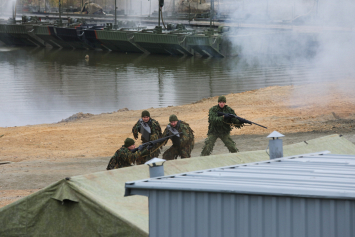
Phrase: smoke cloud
(316, 33)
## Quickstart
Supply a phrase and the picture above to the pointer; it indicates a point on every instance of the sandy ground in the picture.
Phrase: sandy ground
(43, 154)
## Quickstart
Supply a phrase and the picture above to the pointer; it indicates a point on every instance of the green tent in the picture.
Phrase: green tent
(94, 204)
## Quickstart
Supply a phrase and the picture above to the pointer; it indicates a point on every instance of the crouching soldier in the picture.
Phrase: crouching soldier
(124, 156)
(150, 130)
(183, 142)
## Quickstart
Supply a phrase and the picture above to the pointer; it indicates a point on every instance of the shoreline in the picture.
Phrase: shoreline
(45, 153)
(286, 109)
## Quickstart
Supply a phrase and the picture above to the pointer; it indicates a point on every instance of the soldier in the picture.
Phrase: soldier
(124, 156)
(150, 130)
(182, 143)
(220, 127)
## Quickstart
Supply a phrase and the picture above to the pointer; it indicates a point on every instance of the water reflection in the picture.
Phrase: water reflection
(44, 86)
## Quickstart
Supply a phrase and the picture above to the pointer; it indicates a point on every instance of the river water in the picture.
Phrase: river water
(45, 86)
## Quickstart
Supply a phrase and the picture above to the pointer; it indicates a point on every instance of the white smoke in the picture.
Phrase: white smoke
(7, 7)
(317, 34)
(314, 32)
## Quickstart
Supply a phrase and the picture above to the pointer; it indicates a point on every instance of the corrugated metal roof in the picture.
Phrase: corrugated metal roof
(313, 175)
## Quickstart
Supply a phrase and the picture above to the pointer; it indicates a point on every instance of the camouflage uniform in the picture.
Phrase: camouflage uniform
(220, 127)
(181, 146)
(124, 158)
(155, 134)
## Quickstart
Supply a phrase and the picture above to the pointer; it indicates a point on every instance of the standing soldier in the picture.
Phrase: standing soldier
(124, 156)
(220, 127)
(150, 130)
(183, 142)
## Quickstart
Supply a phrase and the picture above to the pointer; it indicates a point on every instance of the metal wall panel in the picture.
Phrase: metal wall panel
(202, 214)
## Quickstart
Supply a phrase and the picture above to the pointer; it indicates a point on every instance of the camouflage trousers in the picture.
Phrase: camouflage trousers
(154, 153)
(174, 151)
(211, 140)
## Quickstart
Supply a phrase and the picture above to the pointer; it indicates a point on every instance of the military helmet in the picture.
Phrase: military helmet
(173, 117)
(222, 99)
(128, 142)
(145, 113)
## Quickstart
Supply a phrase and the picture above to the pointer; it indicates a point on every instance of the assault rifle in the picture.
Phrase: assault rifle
(239, 118)
(150, 144)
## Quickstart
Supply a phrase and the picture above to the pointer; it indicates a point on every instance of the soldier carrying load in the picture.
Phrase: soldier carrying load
(183, 141)
(150, 130)
(124, 157)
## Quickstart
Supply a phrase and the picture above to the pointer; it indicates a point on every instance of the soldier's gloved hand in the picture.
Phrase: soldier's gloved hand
(141, 147)
(145, 152)
(149, 147)
(135, 133)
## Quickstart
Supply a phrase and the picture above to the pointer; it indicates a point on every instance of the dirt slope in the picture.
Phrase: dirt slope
(42, 154)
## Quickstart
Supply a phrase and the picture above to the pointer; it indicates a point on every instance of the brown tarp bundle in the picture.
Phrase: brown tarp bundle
(92, 8)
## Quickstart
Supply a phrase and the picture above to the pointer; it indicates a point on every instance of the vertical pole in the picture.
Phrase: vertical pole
(159, 16)
(173, 6)
(126, 10)
(60, 13)
(189, 12)
(13, 12)
(294, 9)
(150, 7)
(115, 13)
(130, 6)
(211, 12)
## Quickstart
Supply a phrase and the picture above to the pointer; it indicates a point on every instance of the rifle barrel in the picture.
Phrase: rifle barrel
(259, 125)
(237, 117)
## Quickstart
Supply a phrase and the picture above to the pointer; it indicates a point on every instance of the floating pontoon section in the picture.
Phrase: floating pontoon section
(18, 35)
(72, 36)
(47, 34)
(207, 46)
(172, 44)
(117, 40)
(91, 39)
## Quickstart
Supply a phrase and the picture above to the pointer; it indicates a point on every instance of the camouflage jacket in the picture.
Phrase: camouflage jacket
(187, 137)
(154, 127)
(220, 125)
(123, 158)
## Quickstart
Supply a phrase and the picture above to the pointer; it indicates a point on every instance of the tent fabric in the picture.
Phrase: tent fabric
(94, 204)
(41, 215)
(65, 193)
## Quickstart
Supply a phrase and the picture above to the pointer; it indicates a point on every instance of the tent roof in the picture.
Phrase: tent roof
(96, 201)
